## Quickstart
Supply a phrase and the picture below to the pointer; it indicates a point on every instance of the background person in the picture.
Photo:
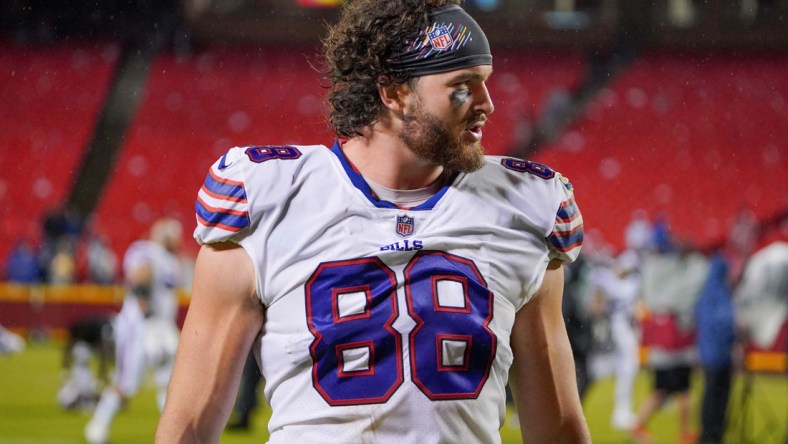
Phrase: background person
(145, 332)
(716, 335)
(618, 291)
(87, 338)
(578, 320)
(672, 280)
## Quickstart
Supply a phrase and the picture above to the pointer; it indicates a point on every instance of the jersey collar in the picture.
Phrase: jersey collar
(358, 181)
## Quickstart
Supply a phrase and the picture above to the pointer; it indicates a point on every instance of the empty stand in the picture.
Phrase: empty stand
(198, 106)
(693, 137)
(49, 101)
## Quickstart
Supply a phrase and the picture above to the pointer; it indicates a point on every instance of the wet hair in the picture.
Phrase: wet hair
(358, 53)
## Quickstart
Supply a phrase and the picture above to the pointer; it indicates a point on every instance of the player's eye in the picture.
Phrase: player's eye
(460, 96)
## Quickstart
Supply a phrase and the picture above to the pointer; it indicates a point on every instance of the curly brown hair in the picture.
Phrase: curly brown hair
(357, 56)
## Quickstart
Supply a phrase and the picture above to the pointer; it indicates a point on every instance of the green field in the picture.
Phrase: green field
(29, 413)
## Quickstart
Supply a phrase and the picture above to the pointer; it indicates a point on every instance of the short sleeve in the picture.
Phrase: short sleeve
(222, 208)
(566, 237)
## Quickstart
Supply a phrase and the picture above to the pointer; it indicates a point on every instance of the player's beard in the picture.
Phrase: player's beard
(432, 140)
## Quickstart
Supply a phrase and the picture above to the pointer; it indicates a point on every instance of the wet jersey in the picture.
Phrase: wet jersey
(386, 324)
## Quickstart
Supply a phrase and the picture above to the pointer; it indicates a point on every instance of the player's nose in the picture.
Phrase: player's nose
(484, 102)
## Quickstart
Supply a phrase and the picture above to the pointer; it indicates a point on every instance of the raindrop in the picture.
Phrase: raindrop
(42, 188)
(138, 166)
(142, 212)
(771, 155)
(636, 98)
(663, 193)
(239, 121)
(309, 105)
(573, 141)
(609, 168)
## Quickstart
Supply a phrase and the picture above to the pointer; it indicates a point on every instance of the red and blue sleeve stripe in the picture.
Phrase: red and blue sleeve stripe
(568, 232)
(226, 219)
(222, 203)
(224, 189)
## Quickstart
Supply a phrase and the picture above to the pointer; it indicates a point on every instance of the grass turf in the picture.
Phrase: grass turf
(29, 413)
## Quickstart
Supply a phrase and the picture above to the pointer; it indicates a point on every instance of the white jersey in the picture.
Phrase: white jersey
(387, 324)
(166, 275)
(621, 293)
(130, 361)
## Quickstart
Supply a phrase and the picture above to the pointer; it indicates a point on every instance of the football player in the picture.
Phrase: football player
(393, 283)
(145, 331)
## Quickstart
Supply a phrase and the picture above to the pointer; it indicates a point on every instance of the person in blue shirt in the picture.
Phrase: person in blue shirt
(22, 264)
(715, 336)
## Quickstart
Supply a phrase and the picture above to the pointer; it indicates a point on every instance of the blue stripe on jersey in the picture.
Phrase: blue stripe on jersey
(358, 181)
(221, 219)
(228, 189)
(568, 210)
(568, 241)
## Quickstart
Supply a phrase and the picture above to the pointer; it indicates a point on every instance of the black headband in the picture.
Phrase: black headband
(453, 40)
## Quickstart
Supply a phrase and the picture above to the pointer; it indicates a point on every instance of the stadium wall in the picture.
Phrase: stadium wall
(47, 311)
(43, 311)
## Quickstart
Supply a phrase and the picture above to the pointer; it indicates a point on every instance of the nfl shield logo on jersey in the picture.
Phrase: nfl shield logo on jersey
(440, 38)
(404, 225)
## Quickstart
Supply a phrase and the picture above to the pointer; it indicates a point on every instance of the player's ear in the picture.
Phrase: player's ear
(393, 95)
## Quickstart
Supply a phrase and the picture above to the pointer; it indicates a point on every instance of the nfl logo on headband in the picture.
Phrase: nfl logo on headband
(405, 225)
(440, 38)
(450, 40)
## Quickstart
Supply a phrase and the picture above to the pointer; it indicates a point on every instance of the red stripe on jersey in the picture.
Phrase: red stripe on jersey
(566, 220)
(234, 183)
(568, 247)
(567, 233)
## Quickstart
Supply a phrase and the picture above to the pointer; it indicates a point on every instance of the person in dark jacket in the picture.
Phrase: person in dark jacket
(715, 336)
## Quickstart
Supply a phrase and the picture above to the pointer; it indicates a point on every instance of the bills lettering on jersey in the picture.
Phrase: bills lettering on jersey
(406, 245)
(405, 225)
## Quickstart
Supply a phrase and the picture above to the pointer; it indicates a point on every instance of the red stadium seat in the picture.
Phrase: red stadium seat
(50, 98)
(199, 106)
(693, 137)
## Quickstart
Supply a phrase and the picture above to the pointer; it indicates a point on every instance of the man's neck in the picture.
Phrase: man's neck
(383, 158)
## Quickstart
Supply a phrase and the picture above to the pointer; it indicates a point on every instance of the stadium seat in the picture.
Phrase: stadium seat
(50, 98)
